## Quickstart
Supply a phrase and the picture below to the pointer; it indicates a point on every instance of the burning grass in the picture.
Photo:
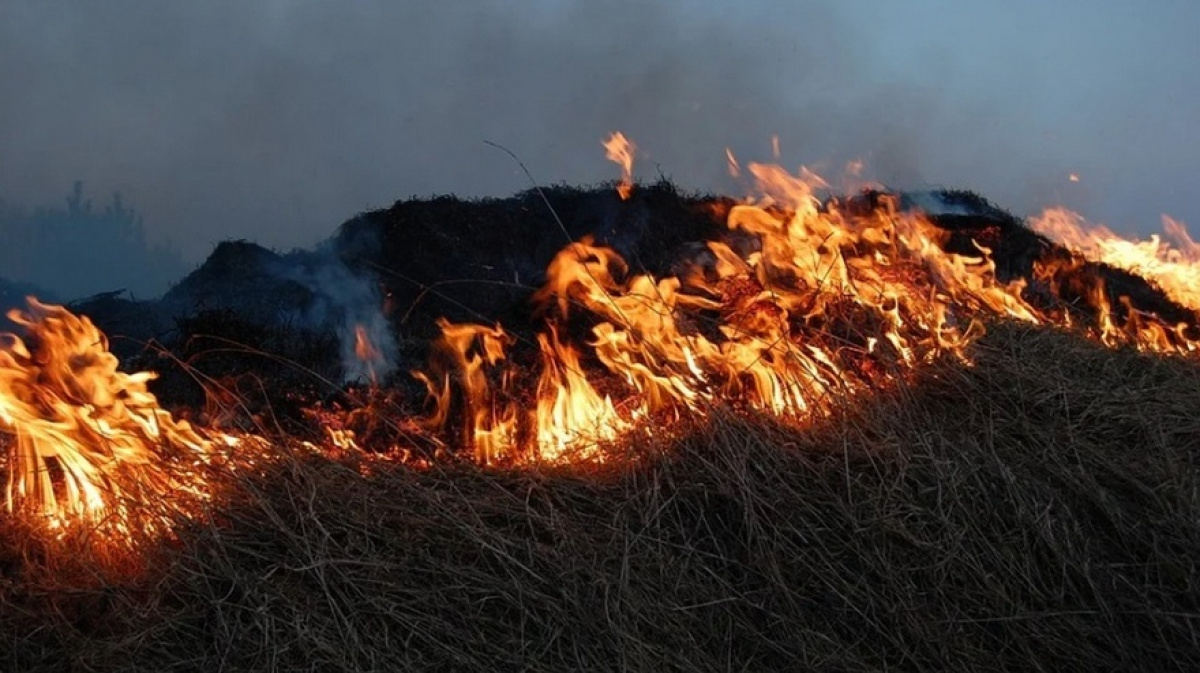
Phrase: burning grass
(810, 442)
(1037, 510)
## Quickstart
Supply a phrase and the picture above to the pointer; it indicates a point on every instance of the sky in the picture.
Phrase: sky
(276, 120)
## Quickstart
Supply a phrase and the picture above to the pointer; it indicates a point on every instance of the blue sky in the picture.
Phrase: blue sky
(276, 120)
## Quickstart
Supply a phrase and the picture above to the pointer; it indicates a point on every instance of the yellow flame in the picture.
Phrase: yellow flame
(826, 302)
(1171, 260)
(621, 150)
(806, 301)
(84, 432)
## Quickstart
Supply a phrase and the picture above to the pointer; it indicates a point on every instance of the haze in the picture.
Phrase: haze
(275, 121)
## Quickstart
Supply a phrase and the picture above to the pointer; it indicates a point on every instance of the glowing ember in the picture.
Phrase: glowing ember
(621, 151)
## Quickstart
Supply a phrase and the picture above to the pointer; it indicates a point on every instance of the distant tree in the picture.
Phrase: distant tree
(78, 251)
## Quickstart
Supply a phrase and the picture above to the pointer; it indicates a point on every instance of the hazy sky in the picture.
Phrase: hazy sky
(276, 120)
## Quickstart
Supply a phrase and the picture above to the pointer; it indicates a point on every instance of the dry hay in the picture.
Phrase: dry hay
(1037, 511)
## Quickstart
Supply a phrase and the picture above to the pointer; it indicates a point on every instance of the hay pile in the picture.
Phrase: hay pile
(1038, 511)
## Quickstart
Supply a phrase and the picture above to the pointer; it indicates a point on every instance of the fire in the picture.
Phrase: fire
(1170, 260)
(621, 151)
(470, 351)
(367, 353)
(570, 412)
(808, 300)
(804, 301)
(363, 348)
(85, 435)
(822, 302)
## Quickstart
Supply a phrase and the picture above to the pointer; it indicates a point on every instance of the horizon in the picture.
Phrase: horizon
(277, 121)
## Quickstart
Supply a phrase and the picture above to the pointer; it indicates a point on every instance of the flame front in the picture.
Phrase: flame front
(802, 302)
(1171, 260)
(805, 302)
(816, 302)
(621, 151)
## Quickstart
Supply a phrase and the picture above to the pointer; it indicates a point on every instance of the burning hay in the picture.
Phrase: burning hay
(856, 362)
(803, 302)
(77, 420)
(1036, 510)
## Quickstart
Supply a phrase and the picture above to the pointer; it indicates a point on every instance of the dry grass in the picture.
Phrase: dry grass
(1038, 511)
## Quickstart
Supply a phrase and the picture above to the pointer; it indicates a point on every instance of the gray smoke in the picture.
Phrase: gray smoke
(349, 303)
(276, 120)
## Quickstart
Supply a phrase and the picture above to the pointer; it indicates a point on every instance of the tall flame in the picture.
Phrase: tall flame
(808, 300)
(85, 433)
(824, 302)
(621, 151)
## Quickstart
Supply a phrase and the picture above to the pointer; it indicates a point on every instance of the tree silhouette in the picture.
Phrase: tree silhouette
(78, 251)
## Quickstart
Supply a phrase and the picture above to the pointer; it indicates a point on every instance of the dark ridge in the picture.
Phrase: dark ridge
(242, 277)
(481, 260)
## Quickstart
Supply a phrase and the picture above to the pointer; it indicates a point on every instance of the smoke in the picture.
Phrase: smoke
(277, 120)
(351, 304)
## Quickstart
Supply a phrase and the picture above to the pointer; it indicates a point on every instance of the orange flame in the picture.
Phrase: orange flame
(366, 352)
(829, 300)
(570, 413)
(777, 328)
(85, 432)
(363, 348)
(621, 151)
(1170, 260)
(807, 301)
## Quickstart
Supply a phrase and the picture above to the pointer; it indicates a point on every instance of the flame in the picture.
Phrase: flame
(366, 352)
(363, 348)
(85, 434)
(806, 301)
(470, 351)
(819, 300)
(621, 151)
(824, 303)
(570, 413)
(1171, 260)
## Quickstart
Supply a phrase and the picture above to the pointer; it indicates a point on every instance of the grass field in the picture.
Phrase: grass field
(1036, 511)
